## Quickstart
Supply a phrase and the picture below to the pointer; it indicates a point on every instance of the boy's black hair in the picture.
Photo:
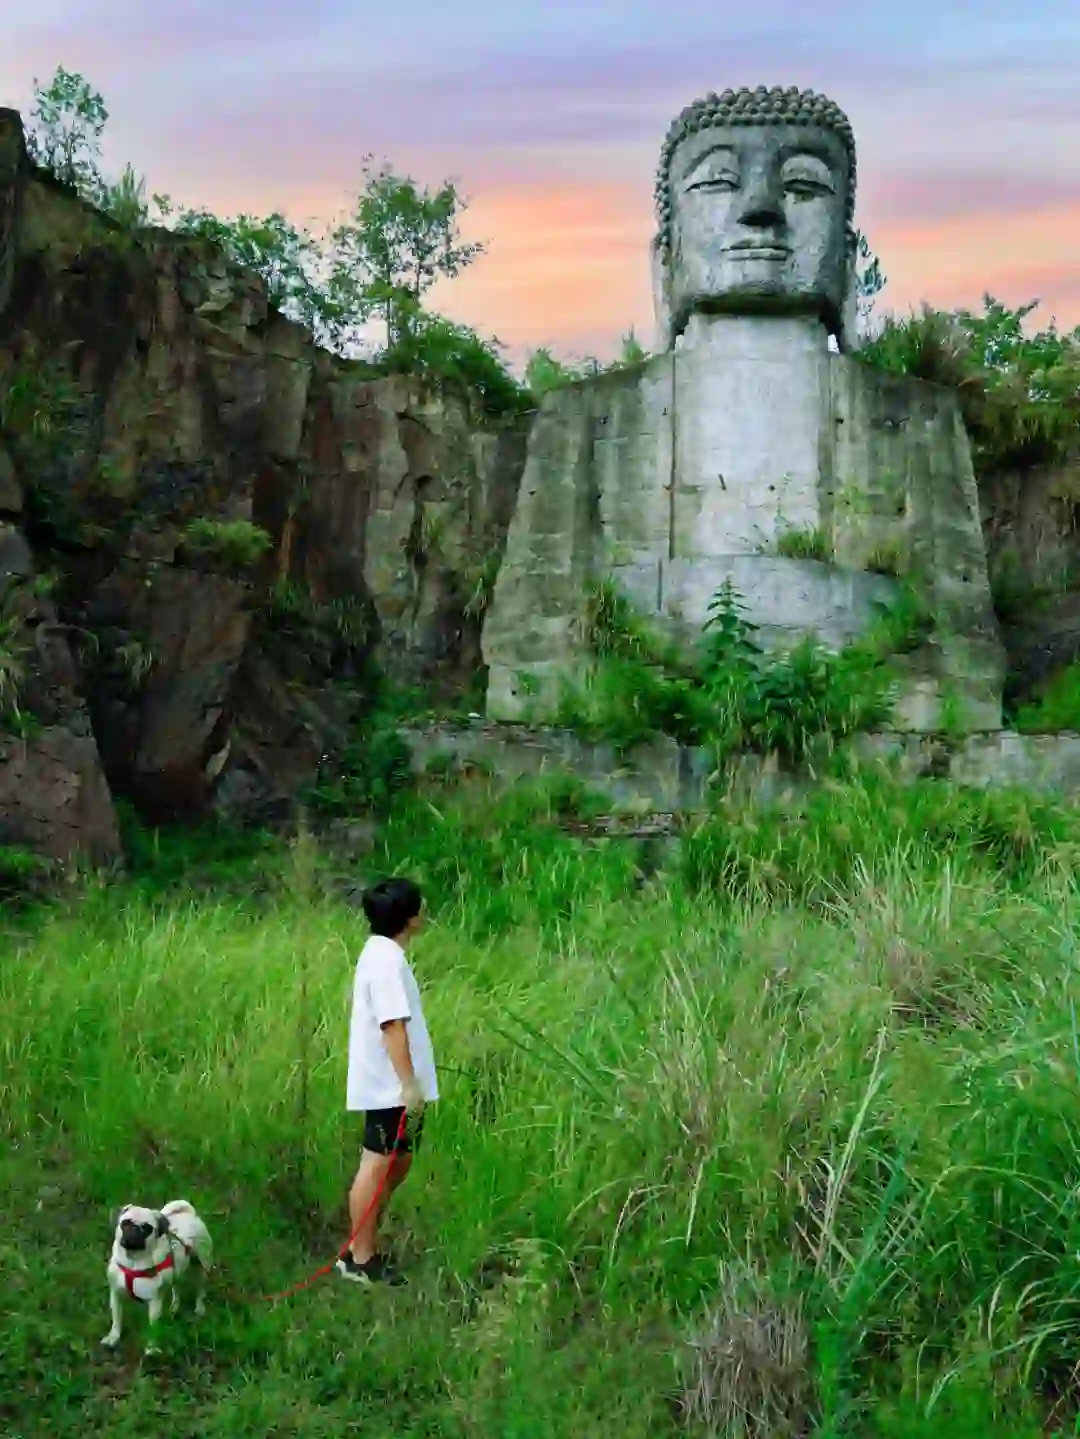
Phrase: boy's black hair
(390, 904)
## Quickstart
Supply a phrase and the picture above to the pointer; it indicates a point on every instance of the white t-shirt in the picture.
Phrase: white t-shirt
(384, 989)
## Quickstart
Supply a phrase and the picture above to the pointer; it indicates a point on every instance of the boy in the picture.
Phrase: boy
(391, 1070)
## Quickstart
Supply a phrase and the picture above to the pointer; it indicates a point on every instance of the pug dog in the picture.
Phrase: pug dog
(152, 1248)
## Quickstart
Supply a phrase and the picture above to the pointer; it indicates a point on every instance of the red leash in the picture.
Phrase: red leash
(327, 1268)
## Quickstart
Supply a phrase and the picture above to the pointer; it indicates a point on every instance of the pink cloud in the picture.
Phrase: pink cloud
(1017, 256)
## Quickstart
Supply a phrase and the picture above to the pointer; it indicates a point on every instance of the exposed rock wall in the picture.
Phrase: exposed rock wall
(146, 386)
(664, 777)
(1031, 520)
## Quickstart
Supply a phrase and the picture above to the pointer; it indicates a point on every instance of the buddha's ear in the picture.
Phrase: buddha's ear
(848, 337)
(661, 288)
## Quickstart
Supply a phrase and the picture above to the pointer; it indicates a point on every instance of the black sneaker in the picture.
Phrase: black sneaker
(377, 1270)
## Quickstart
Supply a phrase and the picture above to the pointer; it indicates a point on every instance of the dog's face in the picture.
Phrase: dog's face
(137, 1227)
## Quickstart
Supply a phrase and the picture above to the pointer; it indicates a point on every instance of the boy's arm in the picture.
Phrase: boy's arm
(396, 1038)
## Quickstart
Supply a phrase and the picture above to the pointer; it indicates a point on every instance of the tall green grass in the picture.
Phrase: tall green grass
(787, 1127)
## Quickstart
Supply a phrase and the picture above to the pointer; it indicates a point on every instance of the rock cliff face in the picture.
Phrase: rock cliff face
(1032, 524)
(208, 529)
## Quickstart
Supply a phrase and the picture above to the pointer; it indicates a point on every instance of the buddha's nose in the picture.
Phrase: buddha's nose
(763, 200)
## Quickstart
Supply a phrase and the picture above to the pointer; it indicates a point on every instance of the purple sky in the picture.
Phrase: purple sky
(550, 116)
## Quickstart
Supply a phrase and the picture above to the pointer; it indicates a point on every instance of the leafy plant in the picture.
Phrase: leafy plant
(24, 875)
(374, 767)
(869, 278)
(288, 259)
(734, 695)
(1057, 707)
(235, 544)
(1019, 393)
(344, 620)
(64, 135)
(441, 350)
(543, 372)
(376, 264)
(478, 584)
(135, 659)
(886, 559)
(399, 241)
(12, 662)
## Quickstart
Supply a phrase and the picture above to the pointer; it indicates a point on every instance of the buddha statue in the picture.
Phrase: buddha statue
(699, 466)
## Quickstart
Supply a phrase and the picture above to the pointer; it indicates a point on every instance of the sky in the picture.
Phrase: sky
(549, 115)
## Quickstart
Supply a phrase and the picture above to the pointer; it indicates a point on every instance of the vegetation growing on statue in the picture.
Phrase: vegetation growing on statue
(732, 696)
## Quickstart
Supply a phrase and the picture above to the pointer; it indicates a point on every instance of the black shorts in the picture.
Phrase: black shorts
(381, 1132)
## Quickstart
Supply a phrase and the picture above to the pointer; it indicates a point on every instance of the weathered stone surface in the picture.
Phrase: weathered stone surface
(11, 497)
(903, 492)
(667, 778)
(660, 776)
(409, 499)
(751, 415)
(1031, 521)
(163, 695)
(12, 186)
(690, 470)
(54, 798)
(172, 393)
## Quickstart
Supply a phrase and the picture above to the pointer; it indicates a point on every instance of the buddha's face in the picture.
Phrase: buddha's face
(759, 223)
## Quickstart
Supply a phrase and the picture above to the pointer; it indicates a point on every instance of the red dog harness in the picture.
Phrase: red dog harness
(130, 1275)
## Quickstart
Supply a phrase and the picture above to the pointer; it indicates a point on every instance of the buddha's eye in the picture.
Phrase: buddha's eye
(806, 188)
(807, 179)
(724, 181)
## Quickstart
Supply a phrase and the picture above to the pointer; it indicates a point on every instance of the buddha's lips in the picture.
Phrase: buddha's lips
(756, 251)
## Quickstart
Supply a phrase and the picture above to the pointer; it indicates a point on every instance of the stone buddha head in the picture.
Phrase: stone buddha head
(755, 199)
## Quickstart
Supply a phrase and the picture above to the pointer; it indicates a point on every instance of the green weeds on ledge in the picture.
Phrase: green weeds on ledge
(1058, 706)
(732, 696)
(235, 545)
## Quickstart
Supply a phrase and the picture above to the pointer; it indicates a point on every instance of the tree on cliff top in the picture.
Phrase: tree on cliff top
(64, 135)
(399, 241)
(379, 262)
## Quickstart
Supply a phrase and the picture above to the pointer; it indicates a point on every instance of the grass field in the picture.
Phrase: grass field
(778, 1138)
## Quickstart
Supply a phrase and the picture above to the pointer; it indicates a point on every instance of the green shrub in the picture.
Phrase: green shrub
(367, 775)
(886, 559)
(23, 874)
(734, 696)
(438, 349)
(544, 372)
(1019, 393)
(236, 545)
(1057, 708)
